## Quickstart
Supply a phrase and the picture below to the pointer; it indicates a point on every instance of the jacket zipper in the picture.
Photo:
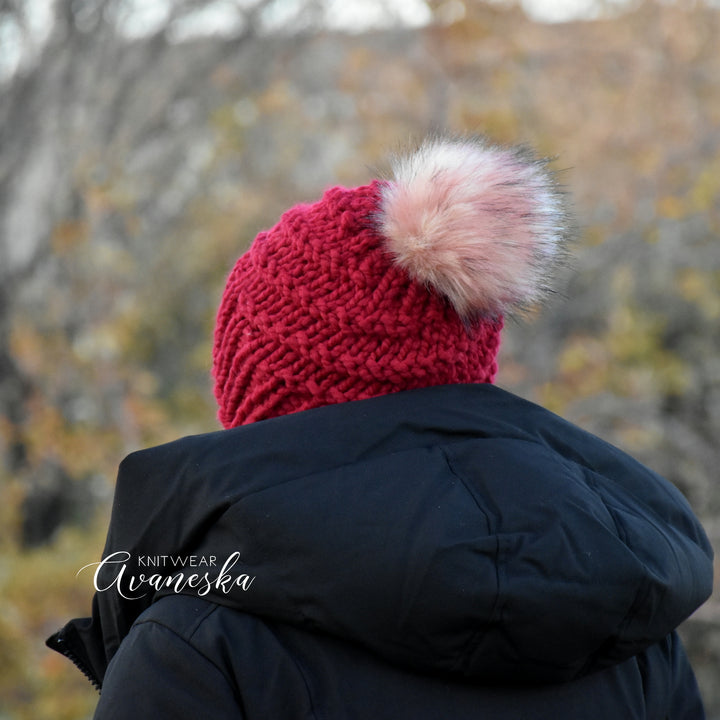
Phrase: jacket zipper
(63, 647)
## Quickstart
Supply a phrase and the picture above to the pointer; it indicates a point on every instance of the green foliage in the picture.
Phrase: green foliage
(40, 592)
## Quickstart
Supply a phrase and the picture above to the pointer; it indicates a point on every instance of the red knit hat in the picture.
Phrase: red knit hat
(395, 285)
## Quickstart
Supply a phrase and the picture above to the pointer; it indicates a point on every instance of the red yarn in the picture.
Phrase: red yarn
(315, 313)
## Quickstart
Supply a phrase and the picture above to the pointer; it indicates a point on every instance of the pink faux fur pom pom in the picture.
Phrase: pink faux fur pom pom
(483, 225)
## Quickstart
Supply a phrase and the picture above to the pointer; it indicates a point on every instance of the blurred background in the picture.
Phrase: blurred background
(144, 143)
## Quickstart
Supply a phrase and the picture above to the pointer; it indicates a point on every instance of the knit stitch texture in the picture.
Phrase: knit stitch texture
(316, 312)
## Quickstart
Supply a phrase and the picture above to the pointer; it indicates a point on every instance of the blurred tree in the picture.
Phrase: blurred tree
(104, 138)
(136, 164)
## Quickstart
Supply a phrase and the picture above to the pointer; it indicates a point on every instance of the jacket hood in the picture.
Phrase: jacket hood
(456, 530)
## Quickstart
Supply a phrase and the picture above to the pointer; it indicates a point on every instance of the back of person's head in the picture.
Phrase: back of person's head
(395, 285)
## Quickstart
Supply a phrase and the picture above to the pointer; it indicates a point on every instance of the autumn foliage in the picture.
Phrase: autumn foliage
(134, 171)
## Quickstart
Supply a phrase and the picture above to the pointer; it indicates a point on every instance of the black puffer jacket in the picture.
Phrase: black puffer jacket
(452, 552)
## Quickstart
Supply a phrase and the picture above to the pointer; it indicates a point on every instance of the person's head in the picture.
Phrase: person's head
(395, 285)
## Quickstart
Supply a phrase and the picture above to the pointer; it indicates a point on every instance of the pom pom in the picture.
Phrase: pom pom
(483, 225)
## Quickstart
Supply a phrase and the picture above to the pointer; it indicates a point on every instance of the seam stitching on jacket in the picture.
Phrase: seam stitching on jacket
(333, 469)
(190, 644)
(298, 664)
(643, 587)
(497, 611)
